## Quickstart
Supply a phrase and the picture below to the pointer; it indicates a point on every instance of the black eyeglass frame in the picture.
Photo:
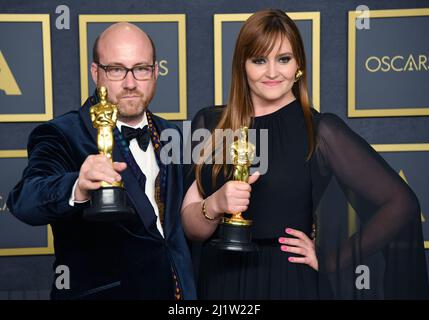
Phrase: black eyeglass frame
(104, 67)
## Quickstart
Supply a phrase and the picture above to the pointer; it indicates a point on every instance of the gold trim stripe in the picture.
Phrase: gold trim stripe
(181, 29)
(49, 249)
(47, 68)
(351, 99)
(217, 25)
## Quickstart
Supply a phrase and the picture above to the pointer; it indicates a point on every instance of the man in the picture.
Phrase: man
(142, 258)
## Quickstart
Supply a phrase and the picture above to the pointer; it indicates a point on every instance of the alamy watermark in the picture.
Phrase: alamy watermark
(199, 147)
(363, 20)
(363, 278)
(62, 281)
(63, 20)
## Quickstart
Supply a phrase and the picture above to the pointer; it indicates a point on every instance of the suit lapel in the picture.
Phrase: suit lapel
(135, 193)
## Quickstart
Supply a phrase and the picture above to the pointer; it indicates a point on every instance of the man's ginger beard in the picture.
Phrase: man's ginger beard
(131, 109)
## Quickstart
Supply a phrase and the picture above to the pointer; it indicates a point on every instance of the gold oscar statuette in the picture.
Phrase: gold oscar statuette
(109, 202)
(235, 231)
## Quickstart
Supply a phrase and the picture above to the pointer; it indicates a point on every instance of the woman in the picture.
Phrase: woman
(306, 151)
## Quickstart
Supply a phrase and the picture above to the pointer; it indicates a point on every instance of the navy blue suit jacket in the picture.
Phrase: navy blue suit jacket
(106, 260)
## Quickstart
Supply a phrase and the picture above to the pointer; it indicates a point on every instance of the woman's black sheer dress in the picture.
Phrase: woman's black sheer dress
(344, 172)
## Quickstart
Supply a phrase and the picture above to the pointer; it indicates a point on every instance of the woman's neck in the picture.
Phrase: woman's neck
(261, 109)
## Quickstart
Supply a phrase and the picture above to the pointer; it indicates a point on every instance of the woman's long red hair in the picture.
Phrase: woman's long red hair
(258, 37)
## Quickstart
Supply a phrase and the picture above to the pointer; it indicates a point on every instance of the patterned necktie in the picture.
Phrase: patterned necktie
(158, 200)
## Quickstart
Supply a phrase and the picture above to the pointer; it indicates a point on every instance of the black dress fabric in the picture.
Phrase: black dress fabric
(382, 234)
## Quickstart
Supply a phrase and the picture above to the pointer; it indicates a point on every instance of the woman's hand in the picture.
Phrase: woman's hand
(234, 196)
(301, 245)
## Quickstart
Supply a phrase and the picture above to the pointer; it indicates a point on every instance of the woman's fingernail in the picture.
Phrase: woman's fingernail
(289, 230)
(290, 259)
(281, 240)
(283, 248)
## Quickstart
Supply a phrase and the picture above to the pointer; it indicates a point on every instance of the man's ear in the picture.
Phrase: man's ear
(94, 72)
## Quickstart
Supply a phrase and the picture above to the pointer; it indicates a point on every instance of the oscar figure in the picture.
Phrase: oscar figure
(109, 202)
(235, 231)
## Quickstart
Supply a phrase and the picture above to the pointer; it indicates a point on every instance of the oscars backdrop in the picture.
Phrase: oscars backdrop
(368, 63)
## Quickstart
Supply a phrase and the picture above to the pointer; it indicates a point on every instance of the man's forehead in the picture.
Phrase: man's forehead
(124, 37)
(123, 34)
(123, 48)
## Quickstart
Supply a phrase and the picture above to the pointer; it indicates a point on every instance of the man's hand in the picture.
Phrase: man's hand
(94, 170)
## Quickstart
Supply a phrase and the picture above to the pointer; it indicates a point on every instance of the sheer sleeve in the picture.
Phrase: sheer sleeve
(197, 123)
(202, 124)
(385, 236)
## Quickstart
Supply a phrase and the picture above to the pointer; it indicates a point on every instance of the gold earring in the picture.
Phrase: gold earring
(298, 74)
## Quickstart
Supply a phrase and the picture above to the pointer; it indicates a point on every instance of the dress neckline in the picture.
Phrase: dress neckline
(288, 107)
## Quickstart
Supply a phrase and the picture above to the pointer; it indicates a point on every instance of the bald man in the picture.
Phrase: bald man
(145, 257)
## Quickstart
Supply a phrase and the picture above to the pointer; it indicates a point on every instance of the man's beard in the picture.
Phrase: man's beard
(131, 109)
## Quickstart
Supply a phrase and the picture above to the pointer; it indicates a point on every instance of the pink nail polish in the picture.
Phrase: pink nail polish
(290, 259)
(288, 230)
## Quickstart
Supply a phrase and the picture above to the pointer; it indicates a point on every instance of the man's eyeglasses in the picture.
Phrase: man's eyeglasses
(118, 73)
